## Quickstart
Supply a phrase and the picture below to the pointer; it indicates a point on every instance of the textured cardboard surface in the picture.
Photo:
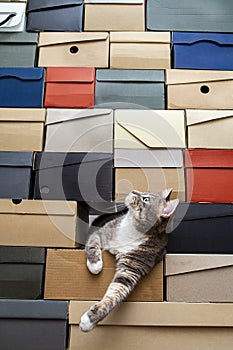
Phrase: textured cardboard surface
(16, 23)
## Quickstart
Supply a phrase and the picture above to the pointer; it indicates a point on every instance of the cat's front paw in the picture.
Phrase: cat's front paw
(96, 267)
(85, 323)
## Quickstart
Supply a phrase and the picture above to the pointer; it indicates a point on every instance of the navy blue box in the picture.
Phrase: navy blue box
(202, 50)
(21, 87)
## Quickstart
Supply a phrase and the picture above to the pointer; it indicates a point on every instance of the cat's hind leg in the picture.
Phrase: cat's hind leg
(94, 254)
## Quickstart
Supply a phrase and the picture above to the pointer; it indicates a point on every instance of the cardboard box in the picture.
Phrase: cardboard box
(79, 130)
(140, 50)
(209, 175)
(21, 87)
(42, 323)
(199, 278)
(203, 228)
(155, 325)
(76, 176)
(130, 88)
(22, 129)
(73, 49)
(38, 223)
(16, 174)
(67, 277)
(62, 15)
(21, 272)
(18, 49)
(199, 89)
(114, 15)
(207, 122)
(201, 16)
(202, 50)
(12, 16)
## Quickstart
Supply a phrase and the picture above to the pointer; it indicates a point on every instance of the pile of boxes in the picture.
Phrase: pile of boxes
(98, 98)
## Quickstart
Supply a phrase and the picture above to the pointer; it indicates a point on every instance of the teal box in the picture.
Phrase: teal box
(18, 49)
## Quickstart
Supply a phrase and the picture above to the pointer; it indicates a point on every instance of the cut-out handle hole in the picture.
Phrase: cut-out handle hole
(16, 201)
(74, 49)
(44, 190)
(205, 89)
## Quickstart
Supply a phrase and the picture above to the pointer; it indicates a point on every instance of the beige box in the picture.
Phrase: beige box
(79, 130)
(199, 89)
(21, 129)
(114, 15)
(155, 326)
(140, 50)
(199, 278)
(218, 125)
(68, 278)
(73, 49)
(38, 223)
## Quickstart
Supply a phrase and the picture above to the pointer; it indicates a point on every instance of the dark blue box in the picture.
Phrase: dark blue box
(21, 87)
(202, 50)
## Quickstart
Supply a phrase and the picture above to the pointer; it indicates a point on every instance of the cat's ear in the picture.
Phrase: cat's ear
(166, 194)
(170, 208)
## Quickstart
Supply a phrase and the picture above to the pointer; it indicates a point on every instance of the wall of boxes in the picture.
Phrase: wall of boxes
(99, 97)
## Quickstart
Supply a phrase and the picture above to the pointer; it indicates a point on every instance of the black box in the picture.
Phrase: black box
(15, 174)
(22, 272)
(202, 228)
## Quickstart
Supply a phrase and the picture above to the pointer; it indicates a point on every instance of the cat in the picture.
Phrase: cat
(137, 237)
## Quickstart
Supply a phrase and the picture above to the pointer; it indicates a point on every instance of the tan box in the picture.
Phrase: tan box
(114, 15)
(73, 49)
(199, 278)
(218, 125)
(68, 278)
(21, 129)
(199, 89)
(155, 326)
(140, 50)
(38, 223)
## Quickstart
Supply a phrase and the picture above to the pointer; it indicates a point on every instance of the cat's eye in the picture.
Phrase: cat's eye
(146, 199)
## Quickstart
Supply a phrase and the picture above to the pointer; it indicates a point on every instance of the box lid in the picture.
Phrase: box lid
(22, 114)
(111, 2)
(155, 129)
(25, 255)
(33, 309)
(188, 76)
(17, 38)
(59, 115)
(17, 159)
(194, 37)
(54, 38)
(200, 158)
(176, 264)
(130, 75)
(195, 116)
(11, 14)
(27, 74)
(140, 37)
(70, 75)
(38, 5)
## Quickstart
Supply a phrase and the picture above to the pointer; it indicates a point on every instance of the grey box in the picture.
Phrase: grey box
(33, 325)
(18, 49)
(22, 272)
(130, 88)
(189, 15)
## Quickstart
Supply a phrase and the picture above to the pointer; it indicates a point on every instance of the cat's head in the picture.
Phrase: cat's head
(152, 209)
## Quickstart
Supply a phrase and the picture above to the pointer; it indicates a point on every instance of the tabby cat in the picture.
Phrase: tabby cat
(137, 237)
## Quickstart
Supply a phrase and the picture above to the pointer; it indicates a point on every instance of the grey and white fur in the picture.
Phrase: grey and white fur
(137, 237)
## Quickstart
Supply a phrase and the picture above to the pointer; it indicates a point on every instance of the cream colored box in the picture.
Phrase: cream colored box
(199, 89)
(114, 15)
(73, 49)
(140, 50)
(218, 125)
(38, 223)
(159, 326)
(68, 278)
(199, 278)
(22, 129)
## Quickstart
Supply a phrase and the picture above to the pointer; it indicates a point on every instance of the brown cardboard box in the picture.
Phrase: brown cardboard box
(212, 123)
(140, 50)
(114, 15)
(155, 326)
(67, 278)
(73, 49)
(199, 278)
(199, 89)
(38, 223)
(21, 129)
